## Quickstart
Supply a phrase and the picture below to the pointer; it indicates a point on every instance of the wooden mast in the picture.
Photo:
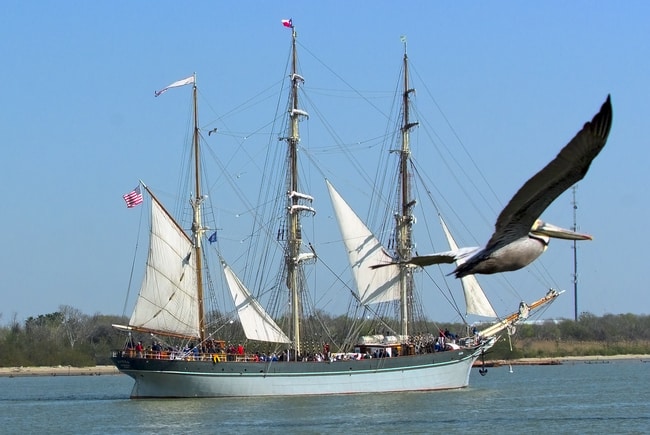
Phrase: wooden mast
(405, 219)
(197, 227)
(294, 237)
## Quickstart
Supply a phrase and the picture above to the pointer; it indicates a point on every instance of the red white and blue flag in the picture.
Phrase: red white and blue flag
(133, 198)
(288, 23)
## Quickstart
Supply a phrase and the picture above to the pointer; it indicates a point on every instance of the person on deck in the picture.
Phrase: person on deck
(139, 349)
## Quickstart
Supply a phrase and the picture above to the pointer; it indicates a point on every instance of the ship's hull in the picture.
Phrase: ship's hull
(162, 378)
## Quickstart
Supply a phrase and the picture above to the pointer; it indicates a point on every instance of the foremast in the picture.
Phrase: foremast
(197, 227)
(404, 220)
(296, 203)
(173, 275)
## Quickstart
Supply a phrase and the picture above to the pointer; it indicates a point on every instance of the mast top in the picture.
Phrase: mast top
(403, 40)
(289, 24)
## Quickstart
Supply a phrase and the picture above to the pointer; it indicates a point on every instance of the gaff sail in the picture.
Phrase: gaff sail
(168, 302)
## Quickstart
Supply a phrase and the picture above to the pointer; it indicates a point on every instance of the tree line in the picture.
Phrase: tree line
(69, 337)
(65, 337)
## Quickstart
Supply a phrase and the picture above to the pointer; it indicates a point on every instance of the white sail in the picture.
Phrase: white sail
(257, 324)
(364, 250)
(168, 301)
(475, 300)
(208, 371)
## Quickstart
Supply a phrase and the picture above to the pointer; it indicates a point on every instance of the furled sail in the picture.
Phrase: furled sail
(257, 324)
(475, 300)
(364, 250)
(168, 302)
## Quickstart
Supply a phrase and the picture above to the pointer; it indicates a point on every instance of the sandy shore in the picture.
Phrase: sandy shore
(565, 359)
(111, 370)
(58, 371)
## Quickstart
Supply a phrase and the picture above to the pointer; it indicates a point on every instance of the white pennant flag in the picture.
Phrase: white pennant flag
(183, 82)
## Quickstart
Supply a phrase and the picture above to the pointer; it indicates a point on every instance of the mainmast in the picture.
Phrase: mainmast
(197, 227)
(405, 218)
(296, 202)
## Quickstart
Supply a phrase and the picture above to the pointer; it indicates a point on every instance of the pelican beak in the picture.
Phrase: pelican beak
(550, 230)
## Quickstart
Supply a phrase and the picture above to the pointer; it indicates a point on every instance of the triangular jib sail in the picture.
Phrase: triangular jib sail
(364, 250)
(475, 300)
(168, 302)
(257, 324)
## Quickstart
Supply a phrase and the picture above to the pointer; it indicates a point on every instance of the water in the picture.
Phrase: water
(572, 398)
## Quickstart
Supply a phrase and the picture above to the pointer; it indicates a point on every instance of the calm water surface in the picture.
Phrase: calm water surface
(575, 397)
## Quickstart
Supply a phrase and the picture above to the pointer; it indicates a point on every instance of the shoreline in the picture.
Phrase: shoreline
(11, 372)
(587, 359)
(112, 370)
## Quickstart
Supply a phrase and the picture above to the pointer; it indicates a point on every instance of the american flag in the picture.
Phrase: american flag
(133, 198)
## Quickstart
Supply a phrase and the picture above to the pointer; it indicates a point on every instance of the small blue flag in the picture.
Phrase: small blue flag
(213, 237)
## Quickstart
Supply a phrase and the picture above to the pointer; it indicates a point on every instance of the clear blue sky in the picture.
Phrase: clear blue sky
(516, 79)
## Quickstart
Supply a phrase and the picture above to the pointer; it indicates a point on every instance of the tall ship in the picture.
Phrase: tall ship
(177, 346)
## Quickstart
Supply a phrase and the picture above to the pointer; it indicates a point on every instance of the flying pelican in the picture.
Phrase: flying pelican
(520, 236)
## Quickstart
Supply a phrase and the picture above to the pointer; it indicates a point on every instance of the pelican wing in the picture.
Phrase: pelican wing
(569, 167)
(452, 256)
(447, 257)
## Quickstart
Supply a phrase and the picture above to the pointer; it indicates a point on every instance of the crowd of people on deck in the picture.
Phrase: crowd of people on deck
(217, 351)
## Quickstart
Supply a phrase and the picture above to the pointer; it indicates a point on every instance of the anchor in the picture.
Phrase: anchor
(483, 370)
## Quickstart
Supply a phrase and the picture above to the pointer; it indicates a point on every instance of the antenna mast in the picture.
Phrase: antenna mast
(575, 255)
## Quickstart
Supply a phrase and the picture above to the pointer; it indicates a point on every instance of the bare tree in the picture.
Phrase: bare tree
(74, 324)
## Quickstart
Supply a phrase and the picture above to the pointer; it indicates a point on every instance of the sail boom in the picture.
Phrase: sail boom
(153, 331)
